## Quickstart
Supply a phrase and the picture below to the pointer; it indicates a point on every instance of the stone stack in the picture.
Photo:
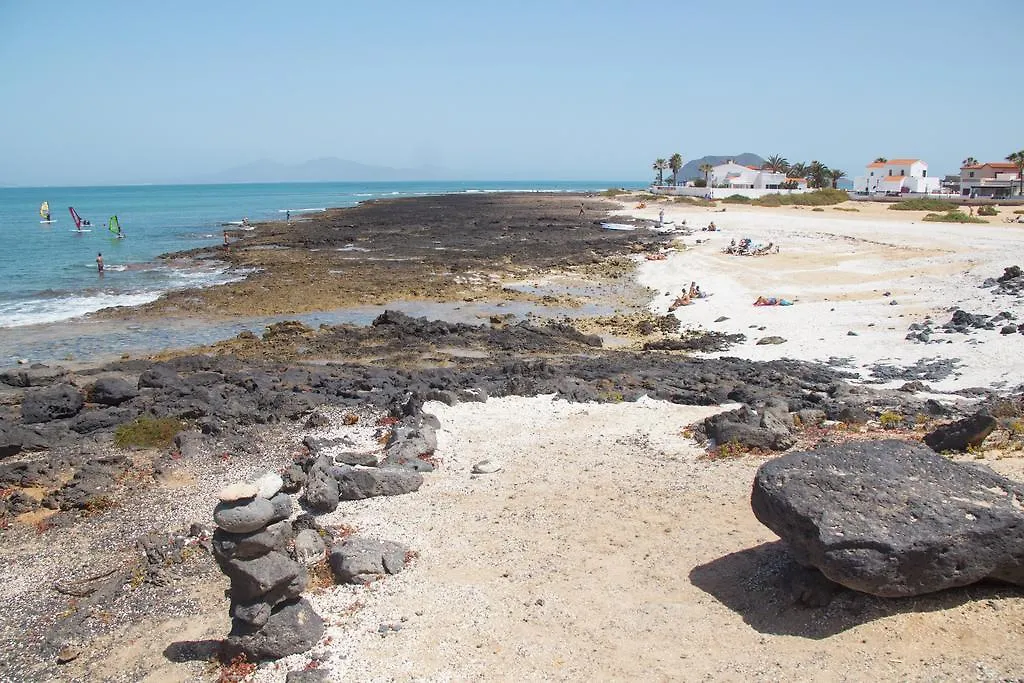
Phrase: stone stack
(270, 619)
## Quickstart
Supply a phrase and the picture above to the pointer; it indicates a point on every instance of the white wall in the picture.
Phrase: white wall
(720, 192)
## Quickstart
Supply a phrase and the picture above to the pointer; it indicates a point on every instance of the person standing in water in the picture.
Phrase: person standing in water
(225, 239)
(99, 263)
(288, 216)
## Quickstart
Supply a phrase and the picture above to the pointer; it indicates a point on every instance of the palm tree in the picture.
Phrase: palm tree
(1018, 159)
(836, 175)
(797, 170)
(659, 166)
(675, 162)
(969, 161)
(880, 160)
(817, 173)
(706, 169)
(776, 163)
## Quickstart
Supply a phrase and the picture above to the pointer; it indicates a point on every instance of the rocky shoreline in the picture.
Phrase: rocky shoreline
(100, 527)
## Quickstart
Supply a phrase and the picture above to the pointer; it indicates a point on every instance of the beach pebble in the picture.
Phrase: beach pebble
(268, 485)
(770, 340)
(67, 654)
(238, 491)
(486, 467)
(721, 318)
(244, 516)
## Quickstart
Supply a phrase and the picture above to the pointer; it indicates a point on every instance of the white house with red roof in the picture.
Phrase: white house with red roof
(998, 179)
(898, 176)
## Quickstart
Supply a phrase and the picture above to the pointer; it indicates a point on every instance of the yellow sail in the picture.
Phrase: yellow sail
(44, 210)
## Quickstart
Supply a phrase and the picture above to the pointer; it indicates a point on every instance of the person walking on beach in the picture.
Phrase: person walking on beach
(661, 217)
(225, 239)
(99, 263)
(582, 211)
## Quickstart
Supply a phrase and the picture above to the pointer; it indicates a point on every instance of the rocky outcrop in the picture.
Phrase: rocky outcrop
(962, 434)
(893, 519)
(111, 391)
(767, 430)
(363, 560)
(51, 403)
(270, 619)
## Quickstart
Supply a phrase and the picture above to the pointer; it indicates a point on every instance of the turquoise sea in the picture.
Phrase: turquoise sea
(48, 271)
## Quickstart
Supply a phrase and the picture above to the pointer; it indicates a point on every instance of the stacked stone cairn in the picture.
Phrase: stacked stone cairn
(270, 618)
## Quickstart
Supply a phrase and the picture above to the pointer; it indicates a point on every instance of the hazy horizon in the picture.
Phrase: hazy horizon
(129, 93)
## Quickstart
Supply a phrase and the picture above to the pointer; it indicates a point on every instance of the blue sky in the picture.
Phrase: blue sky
(106, 91)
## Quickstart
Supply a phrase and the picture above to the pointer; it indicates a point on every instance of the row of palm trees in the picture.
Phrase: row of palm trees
(818, 175)
(674, 163)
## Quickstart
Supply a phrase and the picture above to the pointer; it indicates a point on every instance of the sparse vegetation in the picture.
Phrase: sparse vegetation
(922, 204)
(613, 192)
(695, 201)
(148, 432)
(737, 199)
(845, 208)
(817, 198)
(1019, 212)
(890, 419)
(817, 208)
(987, 211)
(951, 217)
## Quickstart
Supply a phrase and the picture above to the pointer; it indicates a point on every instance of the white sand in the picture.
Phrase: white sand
(606, 550)
(836, 268)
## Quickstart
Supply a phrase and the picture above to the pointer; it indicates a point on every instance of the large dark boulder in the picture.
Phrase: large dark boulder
(160, 377)
(356, 483)
(36, 375)
(51, 403)
(962, 434)
(12, 439)
(293, 627)
(892, 518)
(745, 427)
(111, 391)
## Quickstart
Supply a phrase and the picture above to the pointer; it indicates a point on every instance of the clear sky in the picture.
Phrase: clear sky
(136, 91)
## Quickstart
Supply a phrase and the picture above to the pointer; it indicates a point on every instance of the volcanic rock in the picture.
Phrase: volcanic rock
(962, 434)
(893, 519)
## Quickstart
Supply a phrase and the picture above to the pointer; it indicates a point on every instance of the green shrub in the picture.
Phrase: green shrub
(817, 208)
(1019, 212)
(987, 211)
(613, 192)
(951, 217)
(816, 198)
(695, 201)
(700, 182)
(890, 419)
(148, 432)
(922, 204)
(736, 199)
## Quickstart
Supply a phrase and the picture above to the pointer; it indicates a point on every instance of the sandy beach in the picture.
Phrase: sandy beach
(610, 545)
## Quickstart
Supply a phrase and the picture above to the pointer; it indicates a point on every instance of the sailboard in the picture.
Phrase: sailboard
(114, 226)
(44, 213)
(79, 221)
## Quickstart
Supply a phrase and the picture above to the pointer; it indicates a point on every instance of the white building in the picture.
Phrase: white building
(997, 179)
(739, 177)
(896, 176)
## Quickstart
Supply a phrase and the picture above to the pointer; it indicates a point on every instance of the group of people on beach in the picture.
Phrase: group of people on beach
(688, 297)
(746, 247)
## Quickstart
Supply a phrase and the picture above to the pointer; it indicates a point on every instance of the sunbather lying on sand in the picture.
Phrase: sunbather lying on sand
(772, 301)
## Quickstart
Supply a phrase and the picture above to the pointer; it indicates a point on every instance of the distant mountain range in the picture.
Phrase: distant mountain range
(691, 169)
(322, 170)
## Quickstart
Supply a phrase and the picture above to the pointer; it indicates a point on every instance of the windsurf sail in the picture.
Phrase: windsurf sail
(75, 217)
(44, 211)
(114, 226)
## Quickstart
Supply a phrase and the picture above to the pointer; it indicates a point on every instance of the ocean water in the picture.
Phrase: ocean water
(48, 272)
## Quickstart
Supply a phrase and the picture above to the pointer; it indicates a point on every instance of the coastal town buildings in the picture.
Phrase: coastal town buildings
(739, 177)
(995, 179)
(896, 176)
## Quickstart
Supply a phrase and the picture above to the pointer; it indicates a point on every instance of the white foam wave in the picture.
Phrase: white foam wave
(301, 210)
(38, 311)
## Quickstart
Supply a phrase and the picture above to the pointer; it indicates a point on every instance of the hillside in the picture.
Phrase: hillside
(691, 169)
